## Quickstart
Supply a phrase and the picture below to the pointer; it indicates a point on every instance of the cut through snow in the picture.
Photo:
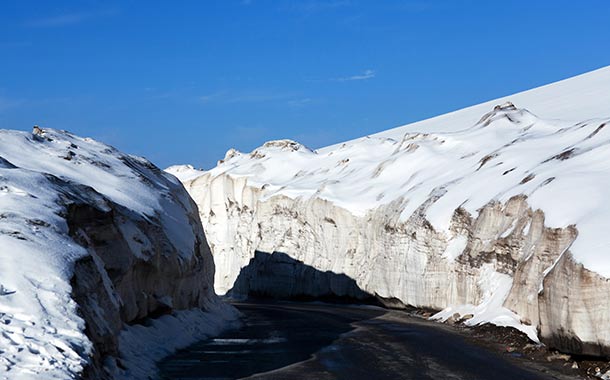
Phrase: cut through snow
(550, 145)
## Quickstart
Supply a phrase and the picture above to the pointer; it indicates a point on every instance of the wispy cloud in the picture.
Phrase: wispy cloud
(66, 19)
(367, 74)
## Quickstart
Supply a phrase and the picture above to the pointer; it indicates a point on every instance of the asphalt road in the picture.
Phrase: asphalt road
(320, 341)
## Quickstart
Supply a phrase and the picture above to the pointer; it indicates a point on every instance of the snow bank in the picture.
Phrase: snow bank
(549, 151)
(133, 216)
(143, 346)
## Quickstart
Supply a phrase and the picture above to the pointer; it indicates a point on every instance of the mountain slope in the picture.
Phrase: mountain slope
(496, 211)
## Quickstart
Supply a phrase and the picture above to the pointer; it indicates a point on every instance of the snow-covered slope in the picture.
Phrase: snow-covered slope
(574, 99)
(91, 240)
(483, 211)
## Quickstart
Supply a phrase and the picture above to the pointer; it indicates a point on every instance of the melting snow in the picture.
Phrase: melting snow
(491, 310)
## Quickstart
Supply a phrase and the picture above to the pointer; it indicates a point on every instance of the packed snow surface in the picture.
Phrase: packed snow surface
(41, 333)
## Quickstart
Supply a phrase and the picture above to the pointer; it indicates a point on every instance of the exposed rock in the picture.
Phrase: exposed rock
(466, 317)
(285, 144)
(505, 106)
(558, 356)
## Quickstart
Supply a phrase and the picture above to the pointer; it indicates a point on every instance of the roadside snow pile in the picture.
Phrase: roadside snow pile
(143, 346)
(82, 222)
(507, 153)
(417, 213)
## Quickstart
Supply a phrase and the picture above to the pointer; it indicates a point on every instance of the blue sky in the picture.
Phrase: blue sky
(182, 82)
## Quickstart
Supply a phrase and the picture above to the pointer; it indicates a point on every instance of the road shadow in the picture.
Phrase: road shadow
(278, 276)
(274, 335)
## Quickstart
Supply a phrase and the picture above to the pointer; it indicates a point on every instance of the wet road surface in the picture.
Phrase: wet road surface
(321, 341)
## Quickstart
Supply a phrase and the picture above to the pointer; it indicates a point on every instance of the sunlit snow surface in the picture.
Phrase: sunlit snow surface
(41, 334)
(562, 167)
(553, 147)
